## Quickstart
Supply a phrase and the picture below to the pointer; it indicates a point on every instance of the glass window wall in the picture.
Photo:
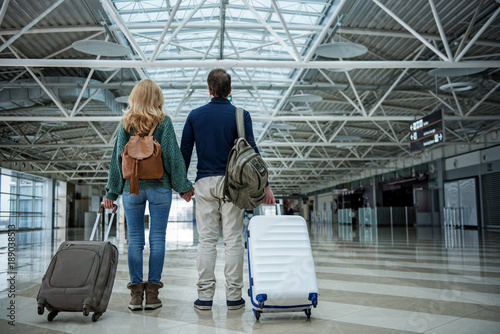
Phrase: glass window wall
(21, 200)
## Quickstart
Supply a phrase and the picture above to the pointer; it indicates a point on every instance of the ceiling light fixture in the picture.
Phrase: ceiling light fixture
(305, 98)
(122, 99)
(53, 124)
(105, 69)
(347, 138)
(466, 130)
(341, 50)
(347, 69)
(458, 86)
(101, 48)
(281, 134)
(302, 109)
(283, 126)
(454, 72)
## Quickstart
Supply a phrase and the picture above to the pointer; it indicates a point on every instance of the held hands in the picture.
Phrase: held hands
(268, 197)
(187, 195)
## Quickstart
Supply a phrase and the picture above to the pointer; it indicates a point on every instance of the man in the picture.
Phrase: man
(212, 128)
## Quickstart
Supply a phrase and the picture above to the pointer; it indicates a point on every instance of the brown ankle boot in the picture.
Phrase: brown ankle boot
(137, 294)
(152, 301)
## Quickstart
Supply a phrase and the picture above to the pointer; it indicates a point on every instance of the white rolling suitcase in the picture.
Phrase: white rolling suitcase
(280, 265)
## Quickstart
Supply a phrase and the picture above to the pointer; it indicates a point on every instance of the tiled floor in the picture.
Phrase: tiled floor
(372, 280)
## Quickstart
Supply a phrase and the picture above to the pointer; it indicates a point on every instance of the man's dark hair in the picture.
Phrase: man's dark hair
(219, 82)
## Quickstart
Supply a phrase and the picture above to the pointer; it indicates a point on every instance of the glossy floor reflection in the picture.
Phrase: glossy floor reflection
(372, 280)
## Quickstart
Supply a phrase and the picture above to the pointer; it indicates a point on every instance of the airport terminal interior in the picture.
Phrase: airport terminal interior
(378, 121)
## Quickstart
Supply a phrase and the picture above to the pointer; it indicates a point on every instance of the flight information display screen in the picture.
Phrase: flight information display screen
(427, 131)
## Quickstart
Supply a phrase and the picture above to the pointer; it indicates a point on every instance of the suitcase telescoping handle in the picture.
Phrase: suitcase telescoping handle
(100, 215)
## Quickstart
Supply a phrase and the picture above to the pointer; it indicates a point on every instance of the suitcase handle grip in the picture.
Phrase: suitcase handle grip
(101, 208)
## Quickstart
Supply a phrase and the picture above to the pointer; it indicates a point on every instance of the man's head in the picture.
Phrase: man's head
(219, 83)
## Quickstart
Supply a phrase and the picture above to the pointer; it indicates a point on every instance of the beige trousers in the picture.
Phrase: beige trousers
(210, 209)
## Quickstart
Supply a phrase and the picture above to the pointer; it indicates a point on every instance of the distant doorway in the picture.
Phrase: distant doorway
(460, 200)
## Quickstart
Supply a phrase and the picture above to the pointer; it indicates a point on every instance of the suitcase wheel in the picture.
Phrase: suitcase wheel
(40, 309)
(261, 304)
(96, 316)
(85, 310)
(313, 297)
(257, 314)
(308, 313)
(52, 315)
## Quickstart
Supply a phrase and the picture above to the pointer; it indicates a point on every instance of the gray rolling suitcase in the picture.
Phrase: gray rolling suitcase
(79, 278)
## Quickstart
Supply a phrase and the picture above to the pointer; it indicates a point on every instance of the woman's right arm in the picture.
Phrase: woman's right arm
(114, 187)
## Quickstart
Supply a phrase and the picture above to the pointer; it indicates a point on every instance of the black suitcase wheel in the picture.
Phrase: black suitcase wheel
(52, 315)
(85, 310)
(315, 302)
(41, 309)
(257, 314)
(96, 316)
(261, 304)
(308, 313)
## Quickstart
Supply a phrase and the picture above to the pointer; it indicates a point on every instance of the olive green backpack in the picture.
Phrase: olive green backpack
(246, 172)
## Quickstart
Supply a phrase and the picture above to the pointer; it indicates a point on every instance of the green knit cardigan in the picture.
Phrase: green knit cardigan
(174, 176)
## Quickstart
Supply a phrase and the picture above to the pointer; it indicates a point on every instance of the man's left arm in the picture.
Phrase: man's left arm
(269, 196)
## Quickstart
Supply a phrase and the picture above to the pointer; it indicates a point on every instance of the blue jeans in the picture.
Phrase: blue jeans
(159, 200)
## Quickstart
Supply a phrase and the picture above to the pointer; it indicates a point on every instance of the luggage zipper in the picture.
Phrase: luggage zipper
(108, 271)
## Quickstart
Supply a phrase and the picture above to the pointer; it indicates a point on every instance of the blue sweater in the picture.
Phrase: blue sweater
(212, 128)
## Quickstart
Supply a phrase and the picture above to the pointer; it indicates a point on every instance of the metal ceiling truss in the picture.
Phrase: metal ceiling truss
(270, 59)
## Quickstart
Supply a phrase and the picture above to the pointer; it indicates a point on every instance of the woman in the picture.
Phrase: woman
(146, 103)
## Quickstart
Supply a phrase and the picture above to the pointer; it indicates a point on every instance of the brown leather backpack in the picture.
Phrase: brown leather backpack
(141, 159)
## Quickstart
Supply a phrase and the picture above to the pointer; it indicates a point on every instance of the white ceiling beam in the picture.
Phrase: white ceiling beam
(5, 5)
(262, 144)
(178, 29)
(483, 99)
(295, 55)
(53, 97)
(336, 118)
(20, 135)
(465, 36)
(29, 25)
(353, 87)
(457, 102)
(308, 57)
(94, 94)
(478, 34)
(308, 28)
(441, 29)
(287, 32)
(165, 30)
(226, 63)
(389, 91)
(98, 133)
(411, 30)
(362, 112)
(189, 91)
(254, 86)
(109, 7)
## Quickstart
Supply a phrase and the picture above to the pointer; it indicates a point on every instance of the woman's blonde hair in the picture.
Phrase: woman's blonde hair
(145, 107)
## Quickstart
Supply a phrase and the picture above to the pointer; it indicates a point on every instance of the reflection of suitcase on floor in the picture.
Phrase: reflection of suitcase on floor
(79, 278)
(280, 265)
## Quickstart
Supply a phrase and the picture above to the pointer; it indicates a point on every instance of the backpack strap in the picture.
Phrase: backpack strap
(153, 128)
(240, 122)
